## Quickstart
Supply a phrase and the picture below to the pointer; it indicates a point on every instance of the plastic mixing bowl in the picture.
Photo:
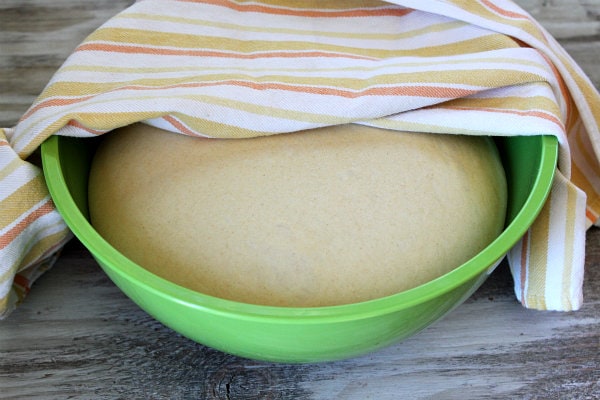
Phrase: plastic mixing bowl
(289, 334)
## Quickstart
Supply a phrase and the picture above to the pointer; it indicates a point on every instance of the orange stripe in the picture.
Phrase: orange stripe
(387, 11)
(591, 215)
(79, 125)
(420, 91)
(54, 102)
(180, 126)
(503, 12)
(538, 114)
(133, 49)
(22, 282)
(9, 236)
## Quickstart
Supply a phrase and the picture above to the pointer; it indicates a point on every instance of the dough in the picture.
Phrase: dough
(322, 217)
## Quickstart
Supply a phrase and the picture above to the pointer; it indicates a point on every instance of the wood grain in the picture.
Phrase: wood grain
(94, 343)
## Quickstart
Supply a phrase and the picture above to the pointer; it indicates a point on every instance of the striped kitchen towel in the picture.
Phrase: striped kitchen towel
(236, 68)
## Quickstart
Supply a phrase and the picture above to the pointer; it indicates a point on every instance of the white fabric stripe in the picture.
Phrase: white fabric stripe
(556, 251)
(478, 122)
(524, 272)
(514, 262)
(7, 156)
(527, 91)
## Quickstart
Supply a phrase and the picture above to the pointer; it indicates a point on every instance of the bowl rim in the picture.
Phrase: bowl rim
(109, 258)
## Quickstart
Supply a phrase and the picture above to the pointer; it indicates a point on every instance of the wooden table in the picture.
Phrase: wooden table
(78, 336)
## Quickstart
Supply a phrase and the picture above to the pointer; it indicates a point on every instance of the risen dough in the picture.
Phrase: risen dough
(322, 217)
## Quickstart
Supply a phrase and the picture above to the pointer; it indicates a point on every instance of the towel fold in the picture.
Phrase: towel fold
(235, 69)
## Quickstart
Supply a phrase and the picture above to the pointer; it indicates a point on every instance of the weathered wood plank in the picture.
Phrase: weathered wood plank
(98, 342)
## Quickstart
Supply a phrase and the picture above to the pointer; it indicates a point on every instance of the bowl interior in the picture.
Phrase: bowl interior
(529, 162)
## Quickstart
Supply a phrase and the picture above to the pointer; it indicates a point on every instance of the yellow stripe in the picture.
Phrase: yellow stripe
(538, 258)
(302, 32)
(487, 78)
(570, 224)
(140, 37)
(217, 129)
(22, 200)
(376, 67)
(10, 168)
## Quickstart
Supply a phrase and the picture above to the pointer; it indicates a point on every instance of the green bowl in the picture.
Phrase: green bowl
(301, 334)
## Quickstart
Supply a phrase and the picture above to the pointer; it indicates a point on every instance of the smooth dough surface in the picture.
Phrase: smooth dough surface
(321, 217)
